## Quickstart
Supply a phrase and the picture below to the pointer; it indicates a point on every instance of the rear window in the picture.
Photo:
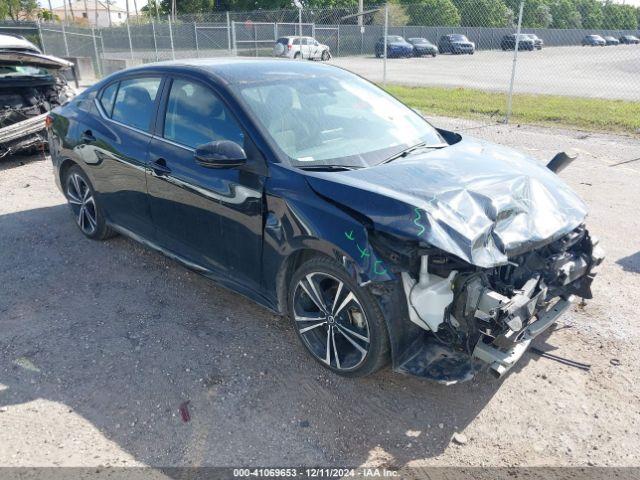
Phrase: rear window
(135, 101)
(283, 41)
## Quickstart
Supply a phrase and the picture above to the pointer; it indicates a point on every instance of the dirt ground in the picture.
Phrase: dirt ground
(102, 342)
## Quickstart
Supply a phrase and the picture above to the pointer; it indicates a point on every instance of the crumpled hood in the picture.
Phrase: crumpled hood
(478, 201)
(33, 59)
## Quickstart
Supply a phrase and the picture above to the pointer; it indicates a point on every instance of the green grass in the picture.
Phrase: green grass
(577, 112)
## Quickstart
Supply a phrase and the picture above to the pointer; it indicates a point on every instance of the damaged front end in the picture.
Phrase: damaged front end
(31, 85)
(486, 317)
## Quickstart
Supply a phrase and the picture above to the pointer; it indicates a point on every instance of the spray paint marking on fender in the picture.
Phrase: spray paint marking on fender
(416, 220)
(378, 265)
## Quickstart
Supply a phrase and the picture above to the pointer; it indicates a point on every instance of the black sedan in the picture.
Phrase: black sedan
(593, 41)
(629, 40)
(397, 47)
(611, 40)
(524, 42)
(323, 198)
(422, 47)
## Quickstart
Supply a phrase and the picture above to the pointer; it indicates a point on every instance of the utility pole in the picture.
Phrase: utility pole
(360, 10)
(515, 62)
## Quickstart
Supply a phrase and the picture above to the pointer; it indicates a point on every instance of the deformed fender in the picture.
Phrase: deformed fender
(297, 219)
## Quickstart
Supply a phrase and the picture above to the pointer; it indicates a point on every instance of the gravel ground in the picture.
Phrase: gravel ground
(101, 343)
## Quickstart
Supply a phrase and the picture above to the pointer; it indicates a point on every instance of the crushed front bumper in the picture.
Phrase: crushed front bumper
(16, 134)
(501, 360)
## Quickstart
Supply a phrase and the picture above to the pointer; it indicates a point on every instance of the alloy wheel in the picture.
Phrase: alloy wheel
(331, 321)
(80, 197)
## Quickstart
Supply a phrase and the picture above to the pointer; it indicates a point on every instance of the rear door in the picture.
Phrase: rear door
(207, 216)
(118, 140)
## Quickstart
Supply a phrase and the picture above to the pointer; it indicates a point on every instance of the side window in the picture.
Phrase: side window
(135, 100)
(108, 97)
(195, 115)
(296, 41)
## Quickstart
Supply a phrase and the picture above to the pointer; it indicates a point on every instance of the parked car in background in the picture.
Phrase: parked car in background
(456, 44)
(422, 46)
(593, 41)
(397, 47)
(31, 84)
(524, 42)
(320, 196)
(311, 49)
(629, 40)
(611, 40)
(537, 41)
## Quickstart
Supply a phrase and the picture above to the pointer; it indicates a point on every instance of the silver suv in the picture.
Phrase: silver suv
(311, 49)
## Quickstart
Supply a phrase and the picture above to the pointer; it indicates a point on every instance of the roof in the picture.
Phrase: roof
(16, 43)
(243, 70)
(78, 6)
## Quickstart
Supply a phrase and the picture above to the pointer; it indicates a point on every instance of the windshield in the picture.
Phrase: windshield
(459, 38)
(338, 119)
(395, 38)
(418, 40)
(22, 70)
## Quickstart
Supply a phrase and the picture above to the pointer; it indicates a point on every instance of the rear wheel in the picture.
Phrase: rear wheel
(83, 204)
(297, 55)
(338, 321)
(325, 56)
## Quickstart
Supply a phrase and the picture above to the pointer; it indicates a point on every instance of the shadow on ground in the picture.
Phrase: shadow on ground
(123, 337)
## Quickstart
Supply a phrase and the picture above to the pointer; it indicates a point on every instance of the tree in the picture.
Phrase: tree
(397, 15)
(18, 9)
(536, 13)
(439, 13)
(565, 15)
(483, 13)
(591, 13)
(619, 17)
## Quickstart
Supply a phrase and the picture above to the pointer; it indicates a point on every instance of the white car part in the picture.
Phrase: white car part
(429, 297)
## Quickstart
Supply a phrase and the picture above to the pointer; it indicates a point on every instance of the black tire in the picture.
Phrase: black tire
(297, 55)
(88, 215)
(363, 310)
(378, 54)
(325, 56)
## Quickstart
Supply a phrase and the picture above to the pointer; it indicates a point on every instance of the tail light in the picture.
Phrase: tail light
(289, 47)
(48, 121)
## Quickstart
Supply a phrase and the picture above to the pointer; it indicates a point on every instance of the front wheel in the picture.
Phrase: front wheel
(339, 322)
(83, 203)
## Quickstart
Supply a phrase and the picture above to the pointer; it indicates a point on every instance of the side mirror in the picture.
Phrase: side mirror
(220, 154)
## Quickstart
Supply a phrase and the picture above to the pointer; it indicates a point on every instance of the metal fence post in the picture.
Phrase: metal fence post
(228, 32)
(155, 42)
(64, 38)
(195, 33)
(40, 36)
(384, 43)
(513, 69)
(338, 42)
(173, 52)
(233, 37)
(300, 29)
(130, 43)
(95, 49)
(102, 53)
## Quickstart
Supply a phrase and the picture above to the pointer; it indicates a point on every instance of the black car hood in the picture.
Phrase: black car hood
(478, 201)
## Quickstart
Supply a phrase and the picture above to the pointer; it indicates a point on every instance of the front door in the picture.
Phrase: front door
(210, 217)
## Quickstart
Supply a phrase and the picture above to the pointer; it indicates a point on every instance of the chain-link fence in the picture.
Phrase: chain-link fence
(484, 60)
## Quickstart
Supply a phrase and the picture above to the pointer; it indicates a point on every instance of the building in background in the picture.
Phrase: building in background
(84, 12)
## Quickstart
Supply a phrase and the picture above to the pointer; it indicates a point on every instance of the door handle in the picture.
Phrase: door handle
(87, 136)
(159, 167)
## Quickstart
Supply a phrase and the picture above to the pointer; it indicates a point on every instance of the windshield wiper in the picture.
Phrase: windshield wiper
(409, 150)
(332, 168)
